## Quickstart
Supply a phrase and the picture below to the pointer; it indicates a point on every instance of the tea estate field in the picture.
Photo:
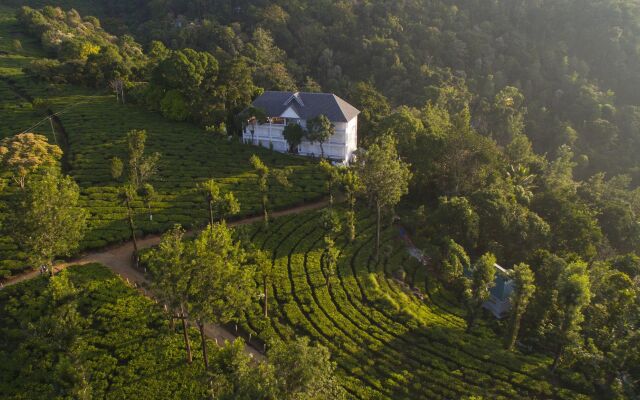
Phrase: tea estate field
(95, 126)
(388, 342)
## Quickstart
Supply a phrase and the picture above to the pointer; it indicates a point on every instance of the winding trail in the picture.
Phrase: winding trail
(118, 258)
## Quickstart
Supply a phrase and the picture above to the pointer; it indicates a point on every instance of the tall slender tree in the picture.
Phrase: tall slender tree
(148, 194)
(141, 167)
(116, 168)
(127, 195)
(264, 267)
(477, 288)
(384, 176)
(454, 261)
(319, 130)
(171, 271)
(351, 184)
(333, 179)
(221, 205)
(524, 288)
(222, 285)
(574, 294)
(266, 178)
(329, 259)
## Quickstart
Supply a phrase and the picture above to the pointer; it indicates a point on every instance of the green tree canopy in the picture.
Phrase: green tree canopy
(478, 286)
(266, 178)
(24, 153)
(293, 133)
(319, 130)
(384, 176)
(523, 290)
(221, 285)
(47, 219)
(221, 205)
(574, 294)
(304, 371)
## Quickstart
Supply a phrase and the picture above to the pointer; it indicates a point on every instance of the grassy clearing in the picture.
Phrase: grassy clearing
(388, 343)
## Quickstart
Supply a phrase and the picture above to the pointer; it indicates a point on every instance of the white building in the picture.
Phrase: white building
(282, 108)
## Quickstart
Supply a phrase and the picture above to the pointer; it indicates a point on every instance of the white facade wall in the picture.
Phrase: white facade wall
(339, 147)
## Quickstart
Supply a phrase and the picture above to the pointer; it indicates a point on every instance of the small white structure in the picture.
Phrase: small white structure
(283, 108)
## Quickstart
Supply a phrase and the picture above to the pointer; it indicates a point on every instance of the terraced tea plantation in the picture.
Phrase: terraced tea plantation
(119, 339)
(96, 127)
(388, 343)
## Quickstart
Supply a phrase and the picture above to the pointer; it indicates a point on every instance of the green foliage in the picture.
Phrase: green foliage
(221, 205)
(261, 260)
(387, 343)
(527, 71)
(383, 175)
(141, 167)
(456, 218)
(96, 130)
(25, 153)
(221, 286)
(89, 55)
(351, 185)
(385, 178)
(523, 290)
(266, 179)
(304, 371)
(374, 107)
(319, 130)
(455, 262)
(174, 106)
(84, 334)
(610, 321)
(574, 295)
(293, 133)
(46, 218)
(117, 168)
(268, 62)
(330, 222)
(77, 336)
(329, 259)
(168, 267)
(477, 287)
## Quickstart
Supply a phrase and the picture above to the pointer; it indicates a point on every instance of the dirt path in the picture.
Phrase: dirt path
(119, 260)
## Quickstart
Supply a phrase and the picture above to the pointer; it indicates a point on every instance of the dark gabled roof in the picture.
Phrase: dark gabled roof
(306, 105)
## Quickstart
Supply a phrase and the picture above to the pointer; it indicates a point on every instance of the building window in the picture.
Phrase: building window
(278, 121)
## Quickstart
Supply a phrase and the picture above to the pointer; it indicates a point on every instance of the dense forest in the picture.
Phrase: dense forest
(514, 125)
(572, 62)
